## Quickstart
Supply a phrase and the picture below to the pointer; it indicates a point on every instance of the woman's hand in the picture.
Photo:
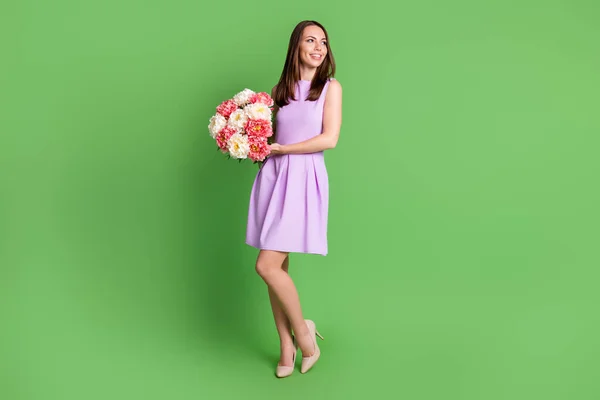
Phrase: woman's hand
(276, 148)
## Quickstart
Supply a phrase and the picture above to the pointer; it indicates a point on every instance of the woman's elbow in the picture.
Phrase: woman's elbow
(332, 142)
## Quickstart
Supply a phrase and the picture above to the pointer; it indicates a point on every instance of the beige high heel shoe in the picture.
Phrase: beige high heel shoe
(308, 362)
(283, 371)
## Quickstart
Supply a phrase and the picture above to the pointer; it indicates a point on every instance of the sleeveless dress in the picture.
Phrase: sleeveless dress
(289, 199)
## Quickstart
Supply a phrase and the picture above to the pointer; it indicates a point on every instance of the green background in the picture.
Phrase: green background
(464, 217)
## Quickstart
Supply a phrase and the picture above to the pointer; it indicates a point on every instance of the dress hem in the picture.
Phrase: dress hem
(287, 250)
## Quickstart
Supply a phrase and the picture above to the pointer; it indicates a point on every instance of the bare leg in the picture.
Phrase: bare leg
(269, 266)
(284, 328)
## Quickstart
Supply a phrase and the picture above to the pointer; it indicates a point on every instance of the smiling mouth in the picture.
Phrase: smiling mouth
(317, 56)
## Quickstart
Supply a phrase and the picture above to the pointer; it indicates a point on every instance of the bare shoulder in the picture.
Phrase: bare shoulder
(334, 92)
(335, 84)
(335, 89)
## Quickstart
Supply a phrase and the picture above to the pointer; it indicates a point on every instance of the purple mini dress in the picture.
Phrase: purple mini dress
(289, 199)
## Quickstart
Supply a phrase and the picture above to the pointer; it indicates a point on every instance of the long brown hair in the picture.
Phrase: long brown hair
(284, 91)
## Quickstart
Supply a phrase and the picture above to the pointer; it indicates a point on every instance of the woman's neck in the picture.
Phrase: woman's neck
(307, 74)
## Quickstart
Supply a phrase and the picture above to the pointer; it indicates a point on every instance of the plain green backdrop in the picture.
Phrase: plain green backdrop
(463, 230)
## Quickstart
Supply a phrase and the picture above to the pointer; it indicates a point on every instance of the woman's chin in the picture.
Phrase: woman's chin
(313, 63)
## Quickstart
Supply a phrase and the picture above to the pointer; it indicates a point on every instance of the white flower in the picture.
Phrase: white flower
(238, 119)
(239, 146)
(217, 122)
(243, 97)
(258, 111)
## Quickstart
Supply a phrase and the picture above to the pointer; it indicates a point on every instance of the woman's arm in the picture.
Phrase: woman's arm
(332, 122)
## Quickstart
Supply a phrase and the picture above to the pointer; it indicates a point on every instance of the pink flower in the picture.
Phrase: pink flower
(226, 108)
(262, 97)
(259, 127)
(223, 137)
(259, 148)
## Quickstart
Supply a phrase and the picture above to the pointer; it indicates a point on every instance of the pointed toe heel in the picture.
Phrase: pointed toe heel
(283, 371)
(309, 362)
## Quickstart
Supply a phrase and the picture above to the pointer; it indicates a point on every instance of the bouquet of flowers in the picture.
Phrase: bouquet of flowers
(242, 126)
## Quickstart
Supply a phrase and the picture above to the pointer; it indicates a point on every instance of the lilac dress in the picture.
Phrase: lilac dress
(290, 196)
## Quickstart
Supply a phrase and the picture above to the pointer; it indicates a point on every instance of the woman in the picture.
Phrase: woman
(290, 195)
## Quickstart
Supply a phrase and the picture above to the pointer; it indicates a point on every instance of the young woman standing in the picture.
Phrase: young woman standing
(290, 196)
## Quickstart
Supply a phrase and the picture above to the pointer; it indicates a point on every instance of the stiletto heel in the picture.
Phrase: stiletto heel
(309, 362)
(283, 371)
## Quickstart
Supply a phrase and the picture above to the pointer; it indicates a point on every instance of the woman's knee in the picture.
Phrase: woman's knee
(264, 268)
(269, 262)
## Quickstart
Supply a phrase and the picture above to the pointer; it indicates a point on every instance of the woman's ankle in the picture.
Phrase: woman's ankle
(286, 342)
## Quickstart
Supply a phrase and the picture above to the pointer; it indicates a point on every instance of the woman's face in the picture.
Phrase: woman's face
(313, 47)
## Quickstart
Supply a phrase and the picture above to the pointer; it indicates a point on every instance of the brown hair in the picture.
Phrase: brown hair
(284, 90)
